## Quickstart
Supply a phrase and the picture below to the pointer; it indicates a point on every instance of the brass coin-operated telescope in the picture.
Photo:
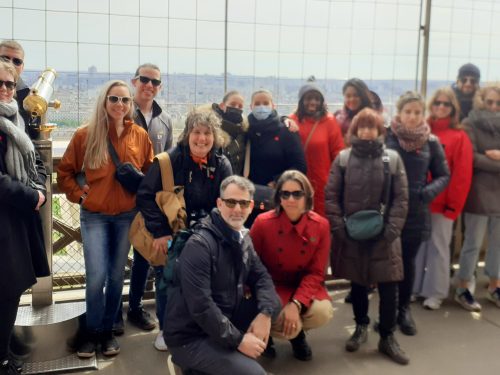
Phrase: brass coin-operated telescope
(39, 100)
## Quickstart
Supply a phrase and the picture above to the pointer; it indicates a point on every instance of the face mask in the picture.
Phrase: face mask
(261, 112)
(233, 115)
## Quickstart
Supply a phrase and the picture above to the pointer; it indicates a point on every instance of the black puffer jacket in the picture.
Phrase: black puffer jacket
(210, 279)
(418, 164)
(201, 187)
(360, 186)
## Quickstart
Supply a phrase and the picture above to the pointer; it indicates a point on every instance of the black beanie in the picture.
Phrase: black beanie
(469, 70)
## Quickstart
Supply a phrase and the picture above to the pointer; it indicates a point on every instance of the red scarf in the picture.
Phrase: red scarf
(200, 161)
(439, 124)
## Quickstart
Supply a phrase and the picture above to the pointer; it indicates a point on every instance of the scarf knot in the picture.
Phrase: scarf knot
(410, 139)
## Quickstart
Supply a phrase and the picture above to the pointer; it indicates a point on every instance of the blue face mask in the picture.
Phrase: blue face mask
(261, 112)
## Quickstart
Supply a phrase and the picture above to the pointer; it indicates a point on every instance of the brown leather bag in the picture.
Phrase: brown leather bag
(171, 202)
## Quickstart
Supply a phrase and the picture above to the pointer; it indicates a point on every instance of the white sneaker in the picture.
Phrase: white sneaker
(159, 343)
(432, 303)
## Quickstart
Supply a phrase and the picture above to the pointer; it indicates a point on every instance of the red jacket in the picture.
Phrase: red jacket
(296, 256)
(324, 146)
(458, 151)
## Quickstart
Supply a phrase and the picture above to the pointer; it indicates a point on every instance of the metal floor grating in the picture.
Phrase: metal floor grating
(65, 364)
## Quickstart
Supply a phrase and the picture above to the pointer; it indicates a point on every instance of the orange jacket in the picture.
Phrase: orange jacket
(106, 195)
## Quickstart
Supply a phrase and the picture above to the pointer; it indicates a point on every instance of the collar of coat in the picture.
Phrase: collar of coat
(300, 228)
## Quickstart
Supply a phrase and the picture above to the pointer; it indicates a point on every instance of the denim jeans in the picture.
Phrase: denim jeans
(105, 248)
(476, 227)
(138, 279)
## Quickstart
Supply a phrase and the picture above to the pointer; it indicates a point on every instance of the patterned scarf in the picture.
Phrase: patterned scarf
(410, 139)
(20, 156)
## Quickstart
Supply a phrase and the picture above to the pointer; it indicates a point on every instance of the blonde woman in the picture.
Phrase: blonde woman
(107, 208)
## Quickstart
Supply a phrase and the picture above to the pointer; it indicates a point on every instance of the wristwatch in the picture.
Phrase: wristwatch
(297, 303)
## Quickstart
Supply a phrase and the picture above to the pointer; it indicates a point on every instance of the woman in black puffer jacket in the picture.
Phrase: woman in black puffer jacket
(422, 155)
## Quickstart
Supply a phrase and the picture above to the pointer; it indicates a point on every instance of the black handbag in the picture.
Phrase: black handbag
(126, 173)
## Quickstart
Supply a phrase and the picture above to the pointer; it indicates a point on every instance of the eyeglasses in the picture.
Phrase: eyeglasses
(297, 194)
(464, 80)
(145, 80)
(9, 85)
(489, 102)
(231, 203)
(115, 99)
(437, 103)
(15, 60)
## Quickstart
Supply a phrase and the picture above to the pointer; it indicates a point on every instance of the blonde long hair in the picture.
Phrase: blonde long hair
(96, 151)
(455, 105)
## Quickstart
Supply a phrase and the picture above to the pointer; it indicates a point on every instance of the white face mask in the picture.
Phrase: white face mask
(261, 112)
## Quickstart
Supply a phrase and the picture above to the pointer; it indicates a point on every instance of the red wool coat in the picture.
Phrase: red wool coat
(324, 146)
(296, 256)
(459, 155)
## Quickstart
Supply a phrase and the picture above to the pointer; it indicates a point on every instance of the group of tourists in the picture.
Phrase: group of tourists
(271, 202)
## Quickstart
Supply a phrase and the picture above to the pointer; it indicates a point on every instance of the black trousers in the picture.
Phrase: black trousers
(8, 314)
(410, 248)
(388, 293)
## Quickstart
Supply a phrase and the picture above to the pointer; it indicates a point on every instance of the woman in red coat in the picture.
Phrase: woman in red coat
(432, 273)
(321, 137)
(293, 242)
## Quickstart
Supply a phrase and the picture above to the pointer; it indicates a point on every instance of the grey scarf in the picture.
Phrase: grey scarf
(20, 156)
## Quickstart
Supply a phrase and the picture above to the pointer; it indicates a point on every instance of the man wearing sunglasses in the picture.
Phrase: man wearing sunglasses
(222, 300)
(149, 115)
(466, 86)
(12, 51)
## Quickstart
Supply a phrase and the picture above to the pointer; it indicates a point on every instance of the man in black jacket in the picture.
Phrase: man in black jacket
(466, 86)
(223, 300)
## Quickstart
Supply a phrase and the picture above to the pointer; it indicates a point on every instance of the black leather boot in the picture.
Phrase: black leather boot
(390, 347)
(406, 322)
(301, 349)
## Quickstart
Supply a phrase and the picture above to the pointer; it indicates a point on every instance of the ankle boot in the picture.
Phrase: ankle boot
(406, 322)
(390, 347)
(359, 337)
(301, 349)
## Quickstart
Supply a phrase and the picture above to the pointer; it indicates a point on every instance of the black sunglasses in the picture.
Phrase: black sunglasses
(437, 103)
(490, 102)
(472, 80)
(15, 60)
(8, 84)
(297, 194)
(145, 80)
(231, 203)
(115, 99)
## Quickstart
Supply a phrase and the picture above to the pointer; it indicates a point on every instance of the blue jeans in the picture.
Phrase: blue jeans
(476, 227)
(105, 248)
(138, 279)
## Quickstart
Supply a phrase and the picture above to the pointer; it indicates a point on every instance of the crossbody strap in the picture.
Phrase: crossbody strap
(167, 174)
(310, 135)
(113, 154)
(246, 166)
(387, 182)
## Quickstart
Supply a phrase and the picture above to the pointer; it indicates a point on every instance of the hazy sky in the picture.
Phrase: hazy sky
(372, 39)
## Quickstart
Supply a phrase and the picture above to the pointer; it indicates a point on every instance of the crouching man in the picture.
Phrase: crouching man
(222, 303)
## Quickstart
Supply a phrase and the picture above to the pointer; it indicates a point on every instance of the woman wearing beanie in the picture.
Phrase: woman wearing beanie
(432, 273)
(422, 155)
(365, 177)
(321, 137)
(466, 86)
(356, 97)
(482, 209)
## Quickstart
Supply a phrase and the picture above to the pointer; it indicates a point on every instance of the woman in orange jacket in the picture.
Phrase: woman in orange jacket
(107, 208)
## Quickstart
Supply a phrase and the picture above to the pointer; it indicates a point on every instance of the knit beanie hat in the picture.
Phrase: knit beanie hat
(308, 87)
(469, 70)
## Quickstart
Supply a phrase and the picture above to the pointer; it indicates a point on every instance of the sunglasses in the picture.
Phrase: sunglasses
(9, 85)
(15, 60)
(489, 102)
(472, 80)
(145, 80)
(437, 103)
(231, 203)
(115, 99)
(297, 194)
